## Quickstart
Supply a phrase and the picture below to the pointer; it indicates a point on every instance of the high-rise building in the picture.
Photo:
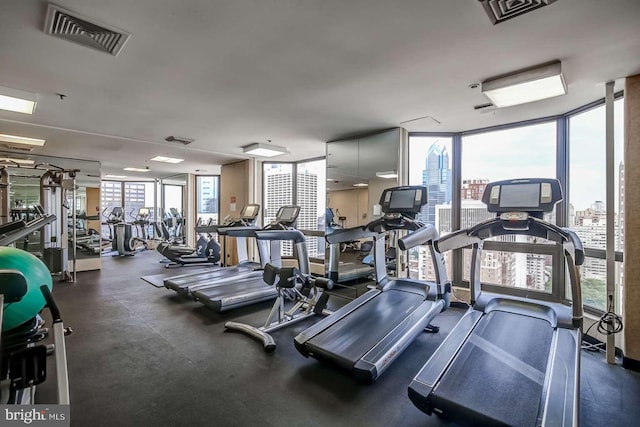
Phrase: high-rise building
(621, 207)
(436, 176)
(307, 199)
(278, 192)
(473, 188)
(208, 195)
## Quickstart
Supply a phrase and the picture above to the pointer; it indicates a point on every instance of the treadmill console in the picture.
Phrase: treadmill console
(405, 200)
(287, 215)
(249, 213)
(534, 196)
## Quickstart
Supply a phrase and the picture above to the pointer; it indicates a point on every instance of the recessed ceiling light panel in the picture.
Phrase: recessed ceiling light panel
(13, 139)
(17, 101)
(137, 169)
(18, 161)
(264, 150)
(167, 159)
(532, 84)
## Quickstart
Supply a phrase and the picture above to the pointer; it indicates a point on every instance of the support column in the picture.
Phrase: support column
(631, 293)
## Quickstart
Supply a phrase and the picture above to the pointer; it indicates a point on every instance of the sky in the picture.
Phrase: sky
(529, 152)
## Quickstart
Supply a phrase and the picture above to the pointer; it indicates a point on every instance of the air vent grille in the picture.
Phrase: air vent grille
(19, 149)
(79, 29)
(179, 139)
(501, 10)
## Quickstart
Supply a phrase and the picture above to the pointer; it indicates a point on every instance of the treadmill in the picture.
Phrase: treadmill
(370, 332)
(245, 224)
(240, 290)
(510, 360)
(346, 272)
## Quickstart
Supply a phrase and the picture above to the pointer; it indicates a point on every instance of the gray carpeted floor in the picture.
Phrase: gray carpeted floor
(142, 356)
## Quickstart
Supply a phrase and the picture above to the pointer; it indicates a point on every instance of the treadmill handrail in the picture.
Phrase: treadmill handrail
(349, 234)
(293, 235)
(248, 231)
(421, 236)
(31, 226)
(474, 236)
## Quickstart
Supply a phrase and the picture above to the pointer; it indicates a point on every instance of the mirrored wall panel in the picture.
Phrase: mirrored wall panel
(358, 170)
(66, 188)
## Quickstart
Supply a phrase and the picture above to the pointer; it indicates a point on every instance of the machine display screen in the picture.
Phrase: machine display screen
(402, 199)
(250, 211)
(520, 196)
(143, 211)
(288, 214)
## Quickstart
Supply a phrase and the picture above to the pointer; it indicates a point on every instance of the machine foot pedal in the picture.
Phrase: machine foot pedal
(432, 329)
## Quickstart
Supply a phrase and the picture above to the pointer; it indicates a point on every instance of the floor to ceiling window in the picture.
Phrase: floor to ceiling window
(532, 149)
(302, 184)
(587, 193)
(208, 198)
(430, 165)
(311, 192)
(520, 152)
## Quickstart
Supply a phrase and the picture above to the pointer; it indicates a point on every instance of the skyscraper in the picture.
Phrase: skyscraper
(436, 177)
(278, 192)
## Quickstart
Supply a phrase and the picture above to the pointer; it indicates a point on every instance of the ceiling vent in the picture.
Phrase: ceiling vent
(70, 26)
(501, 10)
(19, 149)
(485, 108)
(179, 139)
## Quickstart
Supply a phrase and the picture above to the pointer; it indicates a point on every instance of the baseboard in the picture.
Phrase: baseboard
(631, 364)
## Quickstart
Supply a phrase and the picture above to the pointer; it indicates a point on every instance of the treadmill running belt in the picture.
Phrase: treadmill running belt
(499, 374)
(346, 341)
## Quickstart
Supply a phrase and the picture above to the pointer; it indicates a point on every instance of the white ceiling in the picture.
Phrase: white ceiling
(297, 72)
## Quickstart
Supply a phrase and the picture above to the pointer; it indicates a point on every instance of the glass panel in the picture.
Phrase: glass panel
(522, 152)
(172, 208)
(587, 192)
(618, 134)
(139, 195)
(277, 192)
(311, 196)
(619, 287)
(208, 198)
(593, 274)
(530, 271)
(430, 165)
(110, 197)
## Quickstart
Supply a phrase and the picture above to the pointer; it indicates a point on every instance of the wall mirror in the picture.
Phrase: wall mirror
(55, 243)
(358, 170)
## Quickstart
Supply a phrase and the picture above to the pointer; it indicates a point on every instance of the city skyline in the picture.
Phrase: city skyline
(508, 153)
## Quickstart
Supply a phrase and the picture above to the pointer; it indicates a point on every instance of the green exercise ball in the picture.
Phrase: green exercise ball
(36, 273)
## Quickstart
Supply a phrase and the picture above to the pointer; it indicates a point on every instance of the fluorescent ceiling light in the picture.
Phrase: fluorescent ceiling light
(361, 184)
(167, 159)
(264, 150)
(532, 84)
(18, 161)
(115, 176)
(21, 140)
(17, 100)
(136, 169)
(387, 174)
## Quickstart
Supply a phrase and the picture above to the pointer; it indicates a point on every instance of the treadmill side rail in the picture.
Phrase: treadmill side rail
(562, 403)
(424, 382)
(301, 339)
(380, 357)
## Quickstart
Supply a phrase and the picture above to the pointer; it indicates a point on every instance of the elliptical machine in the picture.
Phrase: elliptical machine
(124, 241)
(184, 256)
